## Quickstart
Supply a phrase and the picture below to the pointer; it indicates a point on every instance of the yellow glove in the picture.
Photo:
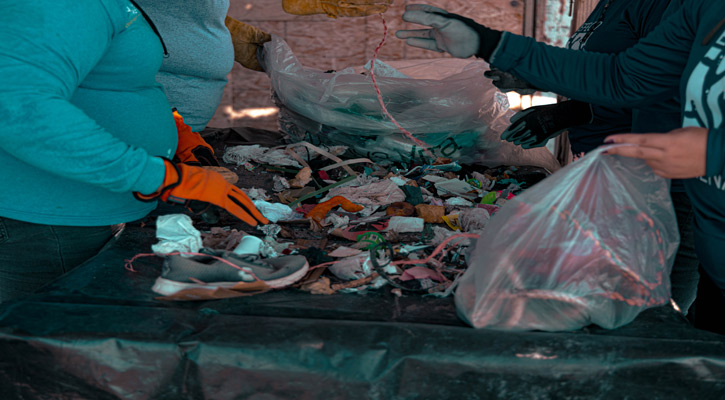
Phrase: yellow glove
(246, 39)
(336, 8)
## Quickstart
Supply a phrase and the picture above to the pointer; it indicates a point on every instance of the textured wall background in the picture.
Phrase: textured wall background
(325, 43)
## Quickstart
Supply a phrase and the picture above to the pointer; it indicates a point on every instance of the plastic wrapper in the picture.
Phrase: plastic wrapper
(591, 244)
(176, 232)
(446, 103)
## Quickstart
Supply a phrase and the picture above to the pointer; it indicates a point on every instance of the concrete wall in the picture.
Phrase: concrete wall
(325, 43)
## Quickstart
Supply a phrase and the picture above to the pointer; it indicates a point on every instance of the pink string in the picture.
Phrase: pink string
(439, 249)
(129, 263)
(409, 135)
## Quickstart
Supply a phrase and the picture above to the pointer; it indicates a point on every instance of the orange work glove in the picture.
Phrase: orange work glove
(186, 184)
(192, 149)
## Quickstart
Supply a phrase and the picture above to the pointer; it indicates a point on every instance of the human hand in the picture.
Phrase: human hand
(451, 33)
(336, 8)
(246, 40)
(507, 82)
(678, 154)
(534, 126)
(190, 185)
(192, 149)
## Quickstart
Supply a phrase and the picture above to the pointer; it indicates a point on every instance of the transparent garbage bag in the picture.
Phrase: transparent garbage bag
(592, 244)
(447, 103)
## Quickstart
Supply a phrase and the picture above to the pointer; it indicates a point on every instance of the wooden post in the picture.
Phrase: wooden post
(530, 18)
(582, 9)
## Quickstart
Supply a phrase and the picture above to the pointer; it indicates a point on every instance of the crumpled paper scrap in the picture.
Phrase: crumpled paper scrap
(176, 233)
(376, 193)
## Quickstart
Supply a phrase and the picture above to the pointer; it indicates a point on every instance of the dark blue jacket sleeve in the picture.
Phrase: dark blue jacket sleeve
(643, 74)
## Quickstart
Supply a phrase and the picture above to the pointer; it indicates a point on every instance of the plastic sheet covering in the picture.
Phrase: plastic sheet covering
(593, 243)
(446, 103)
(99, 333)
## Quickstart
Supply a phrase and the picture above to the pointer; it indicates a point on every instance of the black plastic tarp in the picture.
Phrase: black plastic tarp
(99, 333)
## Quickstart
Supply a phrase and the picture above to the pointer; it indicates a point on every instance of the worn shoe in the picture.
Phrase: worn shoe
(209, 272)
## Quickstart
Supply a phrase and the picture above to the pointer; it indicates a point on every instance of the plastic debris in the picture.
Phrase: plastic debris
(343, 252)
(319, 212)
(280, 183)
(352, 268)
(249, 245)
(405, 224)
(337, 221)
(274, 212)
(400, 209)
(489, 198)
(422, 273)
(473, 219)
(302, 178)
(176, 233)
(256, 194)
(430, 213)
(240, 155)
(403, 213)
(376, 193)
(413, 194)
(368, 240)
(457, 187)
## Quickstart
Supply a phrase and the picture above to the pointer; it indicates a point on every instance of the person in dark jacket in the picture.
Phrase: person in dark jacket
(612, 27)
(683, 55)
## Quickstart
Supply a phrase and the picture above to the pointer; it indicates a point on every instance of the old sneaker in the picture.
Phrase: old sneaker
(210, 272)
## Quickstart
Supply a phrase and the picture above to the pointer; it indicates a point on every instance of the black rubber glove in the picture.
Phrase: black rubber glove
(459, 36)
(508, 82)
(534, 126)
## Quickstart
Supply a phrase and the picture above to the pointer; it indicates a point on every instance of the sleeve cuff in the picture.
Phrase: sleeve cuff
(152, 176)
(506, 55)
(715, 152)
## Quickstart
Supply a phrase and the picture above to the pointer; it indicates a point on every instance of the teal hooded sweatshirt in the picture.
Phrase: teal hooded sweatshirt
(81, 115)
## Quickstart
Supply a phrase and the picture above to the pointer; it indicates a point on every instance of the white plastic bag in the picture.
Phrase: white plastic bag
(592, 244)
(447, 103)
(176, 232)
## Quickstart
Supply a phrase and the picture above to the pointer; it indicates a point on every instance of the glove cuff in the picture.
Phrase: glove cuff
(488, 39)
(172, 179)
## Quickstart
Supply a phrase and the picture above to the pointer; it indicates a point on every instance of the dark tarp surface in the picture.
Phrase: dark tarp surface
(99, 333)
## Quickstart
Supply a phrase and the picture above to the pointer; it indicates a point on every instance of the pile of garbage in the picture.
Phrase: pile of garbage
(361, 226)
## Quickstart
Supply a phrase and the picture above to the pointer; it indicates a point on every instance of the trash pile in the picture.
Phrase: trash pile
(360, 225)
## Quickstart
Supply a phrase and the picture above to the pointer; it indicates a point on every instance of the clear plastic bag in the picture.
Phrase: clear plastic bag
(447, 103)
(592, 244)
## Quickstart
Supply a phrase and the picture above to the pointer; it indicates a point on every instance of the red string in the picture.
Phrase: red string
(439, 249)
(409, 135)
(435, 252)
(129, 263)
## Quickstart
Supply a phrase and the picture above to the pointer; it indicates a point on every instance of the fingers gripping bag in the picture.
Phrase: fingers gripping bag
(446, 103)
(591, 244)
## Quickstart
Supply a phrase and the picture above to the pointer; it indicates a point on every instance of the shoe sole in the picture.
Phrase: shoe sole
(167, 287)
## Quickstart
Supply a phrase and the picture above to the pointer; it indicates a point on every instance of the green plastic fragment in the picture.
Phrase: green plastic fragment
(490, 198)
(371, 238)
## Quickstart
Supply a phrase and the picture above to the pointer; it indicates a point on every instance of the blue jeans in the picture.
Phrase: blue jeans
(684, 275)
(32, 255)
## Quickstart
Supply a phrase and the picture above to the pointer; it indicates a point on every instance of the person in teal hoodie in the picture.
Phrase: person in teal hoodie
(683, 55)
(87, 136)
(203, 43)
